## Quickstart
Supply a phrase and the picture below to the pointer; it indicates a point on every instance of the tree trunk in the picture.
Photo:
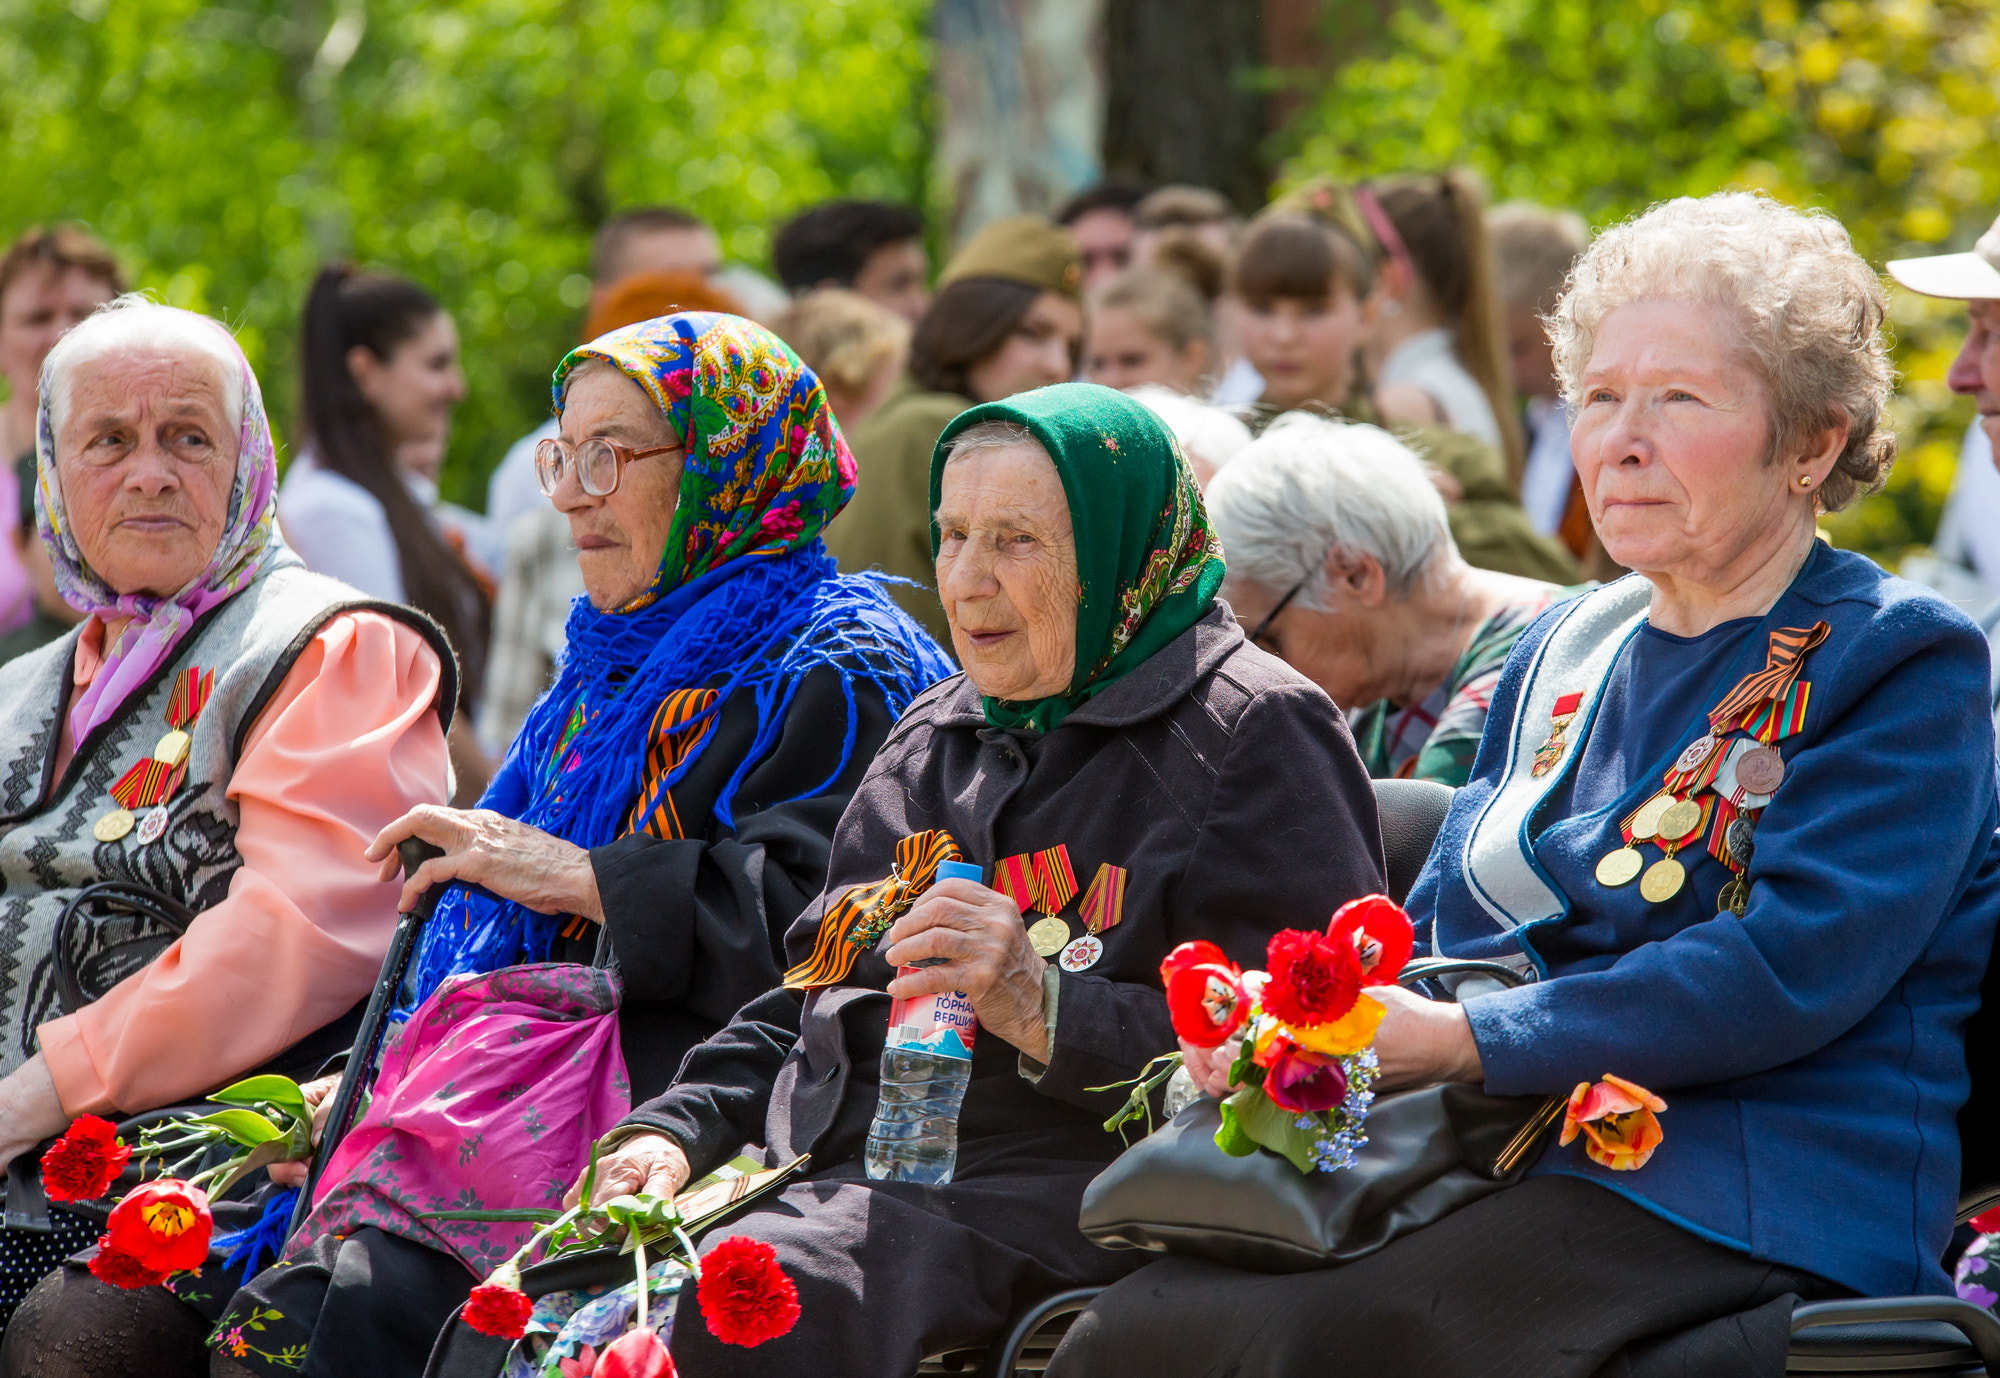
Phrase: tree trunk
(1184, 103)
(1022, 104)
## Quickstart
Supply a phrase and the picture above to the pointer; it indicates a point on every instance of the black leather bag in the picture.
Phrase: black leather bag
(1429, 1152)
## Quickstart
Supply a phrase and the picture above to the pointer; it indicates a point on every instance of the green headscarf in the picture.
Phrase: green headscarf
(1147, 559)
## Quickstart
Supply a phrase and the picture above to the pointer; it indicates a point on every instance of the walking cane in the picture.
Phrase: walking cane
(374, 1023)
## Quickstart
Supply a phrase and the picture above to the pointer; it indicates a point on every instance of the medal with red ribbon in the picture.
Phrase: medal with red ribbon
(153, 781)
(1550, 752)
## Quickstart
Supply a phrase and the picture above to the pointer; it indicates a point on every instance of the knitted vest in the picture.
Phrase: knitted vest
(48, 851)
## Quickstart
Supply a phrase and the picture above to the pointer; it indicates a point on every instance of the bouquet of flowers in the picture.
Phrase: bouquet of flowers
(163, 1226)
(1305, 1069)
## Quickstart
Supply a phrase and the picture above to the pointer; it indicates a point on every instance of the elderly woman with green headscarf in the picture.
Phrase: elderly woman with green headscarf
(1126, 773)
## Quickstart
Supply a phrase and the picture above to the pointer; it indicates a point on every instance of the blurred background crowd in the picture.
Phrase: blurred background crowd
(1231, 208)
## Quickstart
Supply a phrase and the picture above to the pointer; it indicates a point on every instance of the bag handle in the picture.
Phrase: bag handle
(1430, 968)
(140, 901)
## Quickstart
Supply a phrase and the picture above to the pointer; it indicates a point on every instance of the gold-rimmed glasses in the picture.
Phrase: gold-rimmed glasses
(599, 463)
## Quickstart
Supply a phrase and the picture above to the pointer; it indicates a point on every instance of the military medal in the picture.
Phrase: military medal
(1663, 880)
(1619, 867)
(1048, 936)
(152, 827)
(1760, 770)
(1740, 838)
(1550, 752)
(153, 781)
(1104, 902)
(1082, 954)
(1734, 897)
(1646, 822)
(112, 826)
(1679, 819)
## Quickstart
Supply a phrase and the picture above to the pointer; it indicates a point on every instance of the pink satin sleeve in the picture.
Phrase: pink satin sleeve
(349, 743)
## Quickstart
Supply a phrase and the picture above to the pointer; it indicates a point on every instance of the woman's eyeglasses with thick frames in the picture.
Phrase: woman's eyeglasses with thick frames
(600, 463)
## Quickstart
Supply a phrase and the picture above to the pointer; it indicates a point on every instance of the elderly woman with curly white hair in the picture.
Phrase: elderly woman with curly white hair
(1734, 813)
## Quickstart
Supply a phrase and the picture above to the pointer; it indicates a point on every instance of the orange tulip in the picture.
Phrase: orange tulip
(1619, 1122)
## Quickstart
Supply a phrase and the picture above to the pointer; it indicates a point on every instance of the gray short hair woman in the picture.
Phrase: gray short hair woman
(1341, 561)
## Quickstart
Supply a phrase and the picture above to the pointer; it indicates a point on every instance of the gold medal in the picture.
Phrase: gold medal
(112, 826)
(1733, 897)
(1682, 817)
(1663, 880)
(1048, 936)
(1619, 867)
(1646, 822)
(173, 748)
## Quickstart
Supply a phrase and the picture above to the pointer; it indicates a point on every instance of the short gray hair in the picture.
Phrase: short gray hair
(1309, 487)
(1811, 311)
(135, 322)
(992, 435)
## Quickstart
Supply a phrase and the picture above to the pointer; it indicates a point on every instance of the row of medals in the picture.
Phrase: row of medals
(1668, 821)
(110, 827)
(1050, 935)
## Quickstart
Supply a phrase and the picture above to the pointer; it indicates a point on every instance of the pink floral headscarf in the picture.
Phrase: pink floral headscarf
(157, 625)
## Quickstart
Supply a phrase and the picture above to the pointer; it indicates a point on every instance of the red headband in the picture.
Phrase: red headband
(1383, 227)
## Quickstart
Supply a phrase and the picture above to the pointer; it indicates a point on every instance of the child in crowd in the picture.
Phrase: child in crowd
(1148, 325)
(1304, 288)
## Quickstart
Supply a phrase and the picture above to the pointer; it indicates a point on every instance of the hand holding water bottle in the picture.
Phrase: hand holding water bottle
(983, 944)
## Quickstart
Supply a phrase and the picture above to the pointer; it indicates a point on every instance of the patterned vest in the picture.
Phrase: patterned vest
(47, 848)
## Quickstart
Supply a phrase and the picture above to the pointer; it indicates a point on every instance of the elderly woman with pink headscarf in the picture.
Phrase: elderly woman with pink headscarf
(224, 729)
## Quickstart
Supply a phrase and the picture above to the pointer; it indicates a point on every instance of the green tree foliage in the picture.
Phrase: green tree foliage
(1884, 114)
(225, 149)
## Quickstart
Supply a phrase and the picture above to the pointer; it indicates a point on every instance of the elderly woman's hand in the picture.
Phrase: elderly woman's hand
(30, 1109)
(1422, 1042)
(319, 1100)
(649, 1164)
(1209, 1067)
(488, 849)
(986, 954)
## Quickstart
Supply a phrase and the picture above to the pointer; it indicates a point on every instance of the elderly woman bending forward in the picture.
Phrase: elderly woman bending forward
(224, 728)
(1341, 561)
(1128, 773)
(1735, 811)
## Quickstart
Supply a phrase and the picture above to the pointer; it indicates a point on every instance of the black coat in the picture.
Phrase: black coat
(1224, 782)
(697, 924)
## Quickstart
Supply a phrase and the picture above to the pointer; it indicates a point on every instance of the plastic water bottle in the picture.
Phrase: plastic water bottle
(926, 1066)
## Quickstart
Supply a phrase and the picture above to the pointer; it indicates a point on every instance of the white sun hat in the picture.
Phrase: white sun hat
(1961, 277)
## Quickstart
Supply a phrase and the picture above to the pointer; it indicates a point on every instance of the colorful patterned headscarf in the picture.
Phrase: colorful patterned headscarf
(746, 601)
(766, 467)
(1147, 559)
(157, 625)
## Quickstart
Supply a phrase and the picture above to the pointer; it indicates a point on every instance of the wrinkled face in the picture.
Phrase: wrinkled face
(38, 307)
(1976, 370)
(417, 387)
(1104, 240)
(1041, 350)
(621, 538)
(1304, 349)
(1338, 647)
(146, 457)
(1530, 358)
(1006, 571)
(894, 277)
(1123, 353)
(1671, 439)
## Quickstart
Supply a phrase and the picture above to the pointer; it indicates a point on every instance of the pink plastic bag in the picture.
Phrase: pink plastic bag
(489, 1099)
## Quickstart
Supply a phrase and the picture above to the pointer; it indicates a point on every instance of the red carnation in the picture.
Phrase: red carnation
(494, 1309)
(162, 1225)
(745, 1296)
(638, 1353)
(121, 1270)
(85, 1161)
(1315, 979)
(1197, 953)
(1381, 934)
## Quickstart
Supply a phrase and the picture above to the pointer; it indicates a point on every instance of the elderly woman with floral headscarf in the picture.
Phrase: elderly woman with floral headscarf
(223, 727)
(1126, 772)
(667, 810)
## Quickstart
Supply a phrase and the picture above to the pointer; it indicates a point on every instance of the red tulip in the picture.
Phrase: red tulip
(1197, 953)
(1301, 1082)
(638, 1353)
(745, 1296)
(162, 1225)
(1207, 1003)
(1315, 979)
(85, 1161)
(1381, 934)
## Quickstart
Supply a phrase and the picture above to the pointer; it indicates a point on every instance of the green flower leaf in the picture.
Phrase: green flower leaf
(281, 1093)
(1269, 1126)
(245, 1127)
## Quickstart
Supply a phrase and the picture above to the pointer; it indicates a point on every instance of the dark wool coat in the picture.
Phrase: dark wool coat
(1228, 787)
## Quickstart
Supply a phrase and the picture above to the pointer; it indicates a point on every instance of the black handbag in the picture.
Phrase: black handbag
(1429, 1151)
(108, 931)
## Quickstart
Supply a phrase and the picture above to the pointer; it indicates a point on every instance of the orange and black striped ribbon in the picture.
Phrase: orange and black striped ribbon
(190, 695)
(144, 785)
(1782, 662)
(858, 919)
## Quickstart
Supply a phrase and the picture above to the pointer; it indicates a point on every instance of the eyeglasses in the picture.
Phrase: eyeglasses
(1257, 636)
(599, 463)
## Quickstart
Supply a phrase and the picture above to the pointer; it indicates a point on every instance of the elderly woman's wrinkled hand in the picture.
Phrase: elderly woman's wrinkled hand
(979, 934)
(488, 849)
(319, 1100)
(1422, 1042)
(1209, 1067)
(645, 1164)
